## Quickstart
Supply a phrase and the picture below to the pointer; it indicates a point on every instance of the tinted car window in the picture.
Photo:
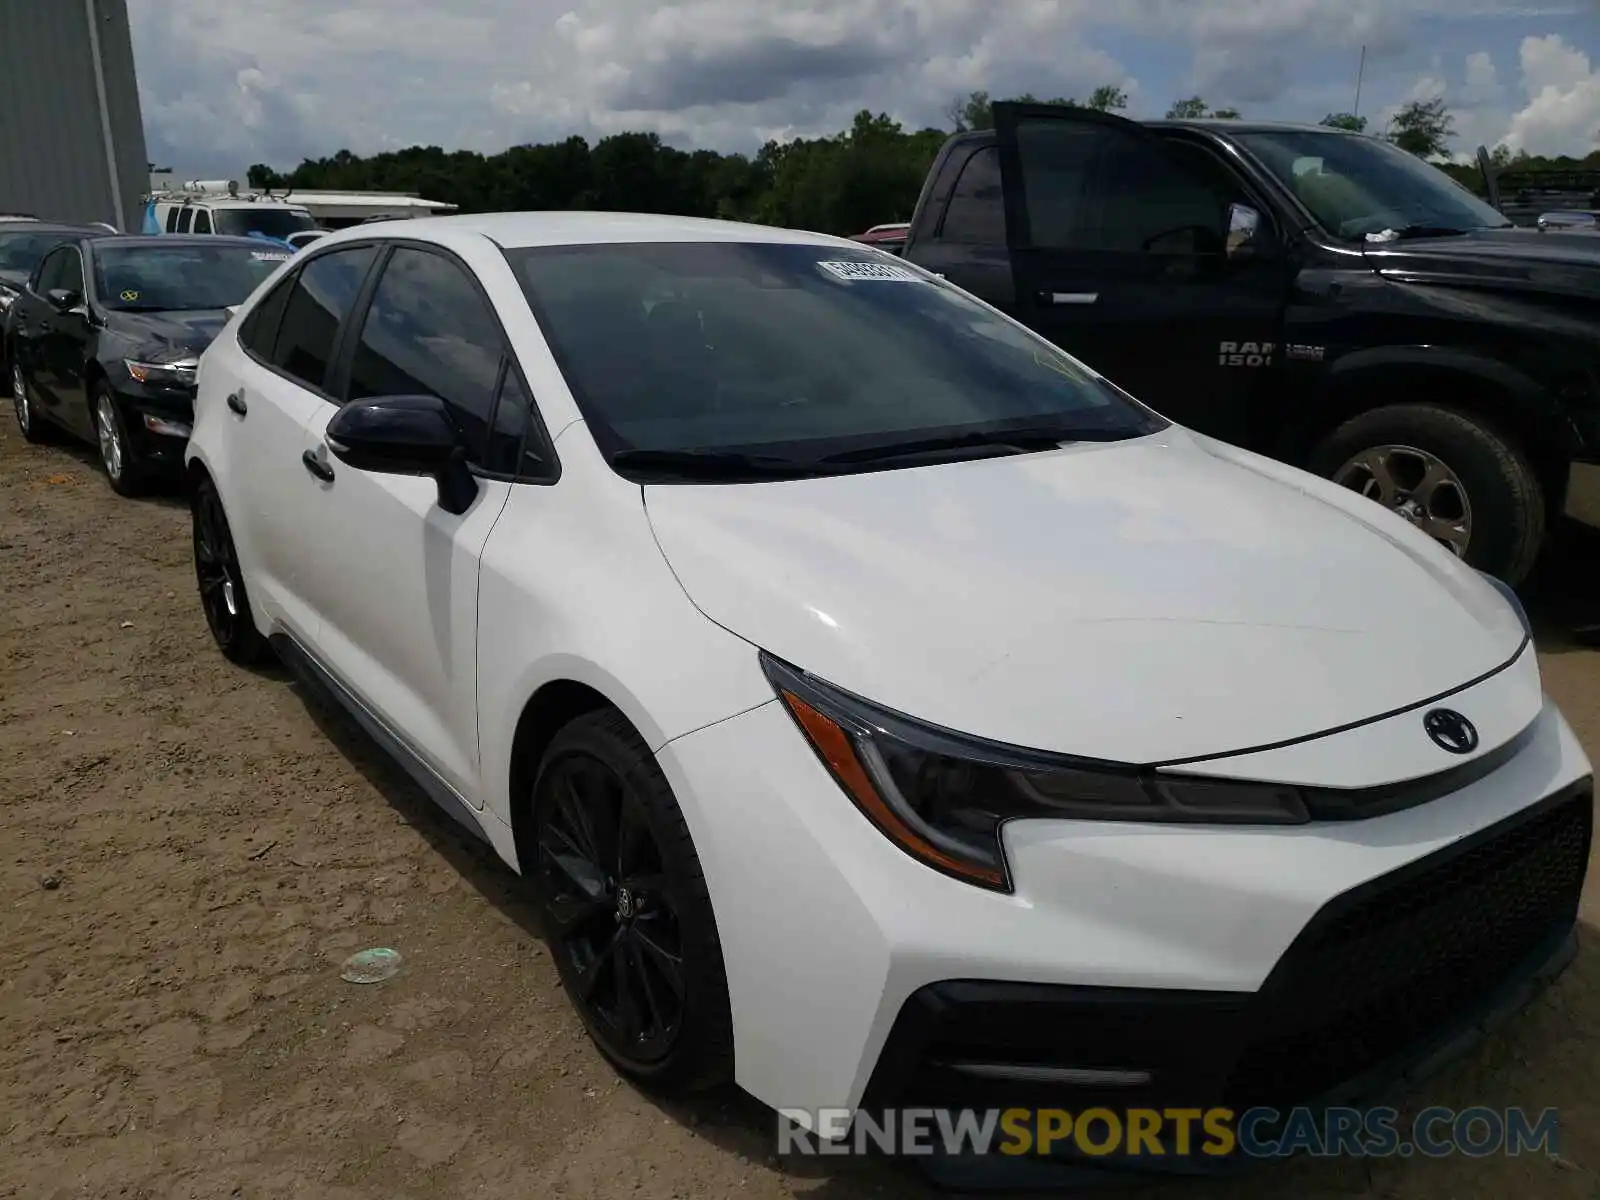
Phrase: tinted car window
(172, 220)
(63, 269)
(797, 351)
(202, 221)
(162, 277)
(513, 416)
(976, 215)
(1145, 199)
(185, 217)
(259, 329)
(429, 332)
(1057, 161)
(22, 252)
(322, 296)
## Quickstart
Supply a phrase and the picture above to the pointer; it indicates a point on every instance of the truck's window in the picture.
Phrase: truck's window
(1356, 185)
(202, 221)
(185, 215)
(976, 215)
(798, 353)
(172, 219)
(1093, 188)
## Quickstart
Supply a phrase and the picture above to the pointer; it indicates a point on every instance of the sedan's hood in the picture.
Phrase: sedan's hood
(1142, 601)
(176, 331)
(15, 280)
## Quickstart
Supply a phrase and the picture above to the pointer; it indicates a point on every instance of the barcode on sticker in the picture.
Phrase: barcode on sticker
(870, 272)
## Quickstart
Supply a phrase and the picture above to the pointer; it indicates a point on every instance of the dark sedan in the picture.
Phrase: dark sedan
(23, 242)
(105, 341)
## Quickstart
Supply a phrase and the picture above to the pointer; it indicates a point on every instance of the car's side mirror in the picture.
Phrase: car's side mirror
(405, 435)
(63, 299)
(1244, 232)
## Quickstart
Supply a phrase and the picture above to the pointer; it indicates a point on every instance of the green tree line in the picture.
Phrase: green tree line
(867, 174)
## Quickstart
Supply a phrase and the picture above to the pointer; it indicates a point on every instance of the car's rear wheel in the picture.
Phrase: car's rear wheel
(123, 469)
(30, 425)
(222, 590)
(626, 909)
(1451, 474)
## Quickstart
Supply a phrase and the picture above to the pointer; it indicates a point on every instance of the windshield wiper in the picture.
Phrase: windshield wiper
(1014, 441)
(716, 464)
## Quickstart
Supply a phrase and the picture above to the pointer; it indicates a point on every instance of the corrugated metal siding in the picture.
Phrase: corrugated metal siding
(53, 160)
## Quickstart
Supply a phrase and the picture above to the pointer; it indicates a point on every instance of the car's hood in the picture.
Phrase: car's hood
(175, 331)
(15, 280)
(1144, 601)
(1522, 259)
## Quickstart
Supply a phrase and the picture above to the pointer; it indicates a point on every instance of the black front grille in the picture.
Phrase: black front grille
(1392, 963)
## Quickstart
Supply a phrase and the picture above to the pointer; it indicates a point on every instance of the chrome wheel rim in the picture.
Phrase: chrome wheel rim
(110, 443)
(19, 398)
(1417, 485)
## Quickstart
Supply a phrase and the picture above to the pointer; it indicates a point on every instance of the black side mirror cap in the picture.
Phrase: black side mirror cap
(405, 435)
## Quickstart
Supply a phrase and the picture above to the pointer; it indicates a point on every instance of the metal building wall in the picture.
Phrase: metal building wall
(62, 123)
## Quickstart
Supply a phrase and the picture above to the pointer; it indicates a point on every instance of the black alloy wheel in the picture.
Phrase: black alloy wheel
(222, 591)
(625, 907)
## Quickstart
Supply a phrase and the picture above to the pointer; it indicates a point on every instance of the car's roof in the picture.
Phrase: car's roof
(1227, 125)
(173, 241)
(515, 230)
(229, 202)
(45, 227)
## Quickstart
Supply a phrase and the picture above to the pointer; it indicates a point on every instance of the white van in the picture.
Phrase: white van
(219, 207)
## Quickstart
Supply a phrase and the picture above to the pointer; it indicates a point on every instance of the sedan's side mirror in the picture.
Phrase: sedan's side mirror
(405, 435)
(1244, 232)
(63, 299)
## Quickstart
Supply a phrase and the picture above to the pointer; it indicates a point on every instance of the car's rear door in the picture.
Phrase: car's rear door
(391, 576)
(271, 382)
(1116, 235)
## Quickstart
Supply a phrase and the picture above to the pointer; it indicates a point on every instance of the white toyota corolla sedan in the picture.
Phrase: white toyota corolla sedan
(883, 706)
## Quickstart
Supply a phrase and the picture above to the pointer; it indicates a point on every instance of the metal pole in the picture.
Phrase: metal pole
(92, 16)
(1360, 72)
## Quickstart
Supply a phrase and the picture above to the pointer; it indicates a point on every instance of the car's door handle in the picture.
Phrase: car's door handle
(236, 402)
(317, 467)
(1069, 297)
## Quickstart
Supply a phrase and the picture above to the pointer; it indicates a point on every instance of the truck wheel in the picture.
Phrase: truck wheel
(1451, 475)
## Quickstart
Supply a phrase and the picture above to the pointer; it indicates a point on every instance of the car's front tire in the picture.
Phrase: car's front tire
(28, 422)
(626, 908)
(221, 583)
(123, 469)
(1451, 474)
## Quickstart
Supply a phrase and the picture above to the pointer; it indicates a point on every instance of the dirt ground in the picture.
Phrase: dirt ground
(188, 851)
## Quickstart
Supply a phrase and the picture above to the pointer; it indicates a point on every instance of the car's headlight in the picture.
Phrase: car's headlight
(6, 297)
(942, 797)
(180, 372)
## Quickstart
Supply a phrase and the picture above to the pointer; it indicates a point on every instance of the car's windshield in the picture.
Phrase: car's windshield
(162, 277)
(1357, 186)
(271, 220)
(22, 251)
(796, 353)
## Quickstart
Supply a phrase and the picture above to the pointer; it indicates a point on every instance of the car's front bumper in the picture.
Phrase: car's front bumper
(158, 423)
(1222, 961)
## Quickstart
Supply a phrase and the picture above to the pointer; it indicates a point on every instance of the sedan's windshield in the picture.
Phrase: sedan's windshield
(162, 277)
(743, 358)
(272, 221)
(22, 251)
(1357, 186)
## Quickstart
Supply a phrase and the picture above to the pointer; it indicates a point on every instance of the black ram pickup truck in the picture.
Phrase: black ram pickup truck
(1314, 295)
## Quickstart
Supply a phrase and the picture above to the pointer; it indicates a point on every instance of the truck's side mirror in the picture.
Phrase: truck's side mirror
(1244, 232)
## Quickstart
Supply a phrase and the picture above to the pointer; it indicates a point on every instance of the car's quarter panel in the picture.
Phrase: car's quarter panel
(1140, 602)
(573, 587)
(862, 926)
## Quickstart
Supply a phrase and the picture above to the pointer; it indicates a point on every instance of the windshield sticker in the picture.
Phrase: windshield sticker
(853, 272)
(129, 296)
(268, 256)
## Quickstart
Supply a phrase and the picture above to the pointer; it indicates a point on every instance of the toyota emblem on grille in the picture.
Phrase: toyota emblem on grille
(1451, 731)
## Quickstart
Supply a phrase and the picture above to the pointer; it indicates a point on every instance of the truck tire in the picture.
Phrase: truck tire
(1450, 473)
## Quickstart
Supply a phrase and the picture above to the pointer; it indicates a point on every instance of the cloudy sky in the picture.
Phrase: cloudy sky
(226, 84)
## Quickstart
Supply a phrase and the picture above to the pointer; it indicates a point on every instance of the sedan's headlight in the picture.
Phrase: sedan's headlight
(6, 298)
(942, 796)
(179, 373)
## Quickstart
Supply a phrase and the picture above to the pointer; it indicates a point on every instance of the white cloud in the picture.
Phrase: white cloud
(228, 84)
(1563, 111)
